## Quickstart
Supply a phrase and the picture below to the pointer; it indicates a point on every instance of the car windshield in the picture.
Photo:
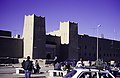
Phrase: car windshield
(70, 74)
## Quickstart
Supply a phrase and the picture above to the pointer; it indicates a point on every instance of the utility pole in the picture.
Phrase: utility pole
(98, 42)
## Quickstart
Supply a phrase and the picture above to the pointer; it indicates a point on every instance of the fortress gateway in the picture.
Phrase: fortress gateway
(64, 43)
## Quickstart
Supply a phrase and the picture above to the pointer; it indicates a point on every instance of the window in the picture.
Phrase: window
(89, 54)
(93, 74)
(94, 54)
(85, 47)
(79, 54)
(99, 55)
(104, 54)
(100, 49)
(104, 75)
(114, 55)
(110, 55)
(85, 54)
(70, 74)
(107, 54)
(88, 75)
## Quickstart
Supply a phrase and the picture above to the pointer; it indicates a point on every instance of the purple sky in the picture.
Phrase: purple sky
(88, 14)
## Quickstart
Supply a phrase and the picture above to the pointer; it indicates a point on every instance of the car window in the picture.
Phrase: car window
(70, 74)
(104, 75)
(92, 74)
(88, 75)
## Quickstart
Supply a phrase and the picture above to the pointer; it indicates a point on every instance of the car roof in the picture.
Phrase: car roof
(91, 70)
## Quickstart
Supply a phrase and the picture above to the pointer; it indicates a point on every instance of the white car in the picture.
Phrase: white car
(88, 73)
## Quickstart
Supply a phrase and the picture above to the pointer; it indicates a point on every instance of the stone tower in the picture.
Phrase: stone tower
(69, 36)
(34, 36)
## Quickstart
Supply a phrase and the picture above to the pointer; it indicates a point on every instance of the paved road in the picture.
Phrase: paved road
(9, 72)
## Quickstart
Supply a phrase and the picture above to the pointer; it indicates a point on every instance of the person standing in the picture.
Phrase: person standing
(23, 64)
(57, 66)
(28, 67)
(37, 66)
(68, 67)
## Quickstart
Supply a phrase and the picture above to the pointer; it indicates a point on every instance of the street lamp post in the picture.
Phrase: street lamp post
(97, 42)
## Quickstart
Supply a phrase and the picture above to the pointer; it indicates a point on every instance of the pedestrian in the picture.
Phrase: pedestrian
(63, 67)
(28, 67)
(79, 64)
(23, 63)
(37, 67)
(57, 66)
(67, 67)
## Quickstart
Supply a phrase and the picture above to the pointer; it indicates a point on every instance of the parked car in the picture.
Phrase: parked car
(88, 73)
(115, 71)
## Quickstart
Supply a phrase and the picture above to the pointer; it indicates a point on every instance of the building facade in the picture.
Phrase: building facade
(10, 47)
(107, 49)
(64, 43)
